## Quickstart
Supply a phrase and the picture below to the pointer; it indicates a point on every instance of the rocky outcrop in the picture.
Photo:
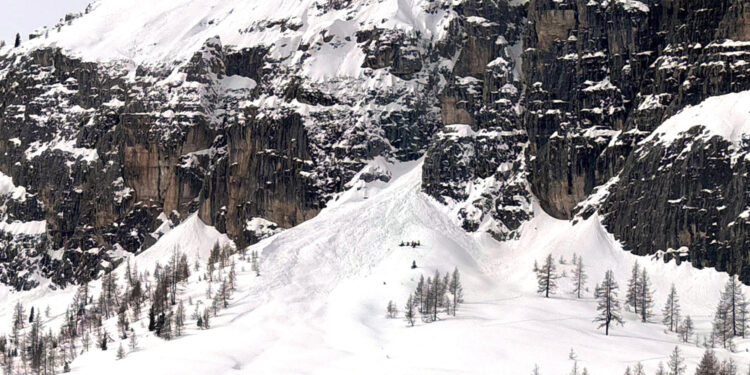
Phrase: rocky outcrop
(476, 164)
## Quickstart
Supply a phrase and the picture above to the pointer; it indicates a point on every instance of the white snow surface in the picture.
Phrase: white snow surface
(169, 30)
(727, 116)
(319, 305)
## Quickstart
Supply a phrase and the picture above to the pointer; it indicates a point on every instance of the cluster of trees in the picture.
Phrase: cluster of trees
(639, 299)
(731, 316)
(33, 348)
(547, 276)
(431, 296)
(709, 365)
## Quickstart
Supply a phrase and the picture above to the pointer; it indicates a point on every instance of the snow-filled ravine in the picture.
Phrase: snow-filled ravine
(319, 305)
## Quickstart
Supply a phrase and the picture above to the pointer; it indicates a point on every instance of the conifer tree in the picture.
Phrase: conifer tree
(708, 365)
(676, 364)
(419, 294)
(436, 295)
(608, 306)
(179, 319)
(546, 277)
(631, 297)
(638, 369)
(18, 41)
(734, 298)
(456, 290)
(255, 262)
(672, 310)
(660, 370)
(722, 330)
(645, 297)
(579, 277)
(18, 316)
(390, 310)
(133, 341)
(120, 352)
(409, 313)
(206, 319)
(686, 329)
(728, 367)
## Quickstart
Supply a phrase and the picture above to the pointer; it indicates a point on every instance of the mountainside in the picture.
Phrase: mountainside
(115, 127)
(319, 305)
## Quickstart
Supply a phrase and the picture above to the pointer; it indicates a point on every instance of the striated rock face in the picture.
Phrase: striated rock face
(476, 164)
(601, 77)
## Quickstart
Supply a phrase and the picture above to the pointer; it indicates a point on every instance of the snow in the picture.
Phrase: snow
(30, 228)
(65, 145)
(192, 237)
(8, 188)
(318, 307)
(726, 116)
(170, 30)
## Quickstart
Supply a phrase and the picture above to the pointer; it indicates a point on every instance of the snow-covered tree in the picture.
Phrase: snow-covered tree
(608, 306)
(631, 297)
(579, 277)
(672, 310)
(676, 364)
(546, 277)
(645, 297)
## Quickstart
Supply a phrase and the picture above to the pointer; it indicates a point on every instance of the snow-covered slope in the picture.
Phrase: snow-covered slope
(319, 306)
(172, 30)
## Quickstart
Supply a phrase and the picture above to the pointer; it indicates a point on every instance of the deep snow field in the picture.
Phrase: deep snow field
(319, 305)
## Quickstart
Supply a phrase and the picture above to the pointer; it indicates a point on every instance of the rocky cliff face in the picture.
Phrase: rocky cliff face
(266, 122)
(602, 76)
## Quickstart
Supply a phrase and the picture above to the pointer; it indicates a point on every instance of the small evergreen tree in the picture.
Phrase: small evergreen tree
(686, 329)
(579, 277)
(676, 364)
(547, 277)
(672, 310)
(120, 352)
(608, 306)
(456, 290)
(728, 367)
(631, 297)
(409, 313)
(645, 297)
(638, 369)
(708, 365)
(660, 369)
(179, 319)
(390, 310)
(18, 41)
(133, 342)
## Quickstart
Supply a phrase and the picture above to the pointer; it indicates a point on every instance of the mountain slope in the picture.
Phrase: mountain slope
(319, 306)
